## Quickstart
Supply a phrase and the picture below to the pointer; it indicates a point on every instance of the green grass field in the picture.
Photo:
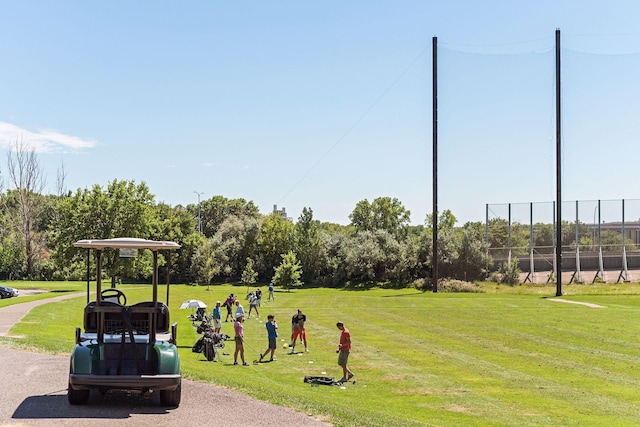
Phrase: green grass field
(507, 357)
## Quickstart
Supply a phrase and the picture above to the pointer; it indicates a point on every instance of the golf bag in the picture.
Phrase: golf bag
(209, 342)
(199, 316)
(316, 380)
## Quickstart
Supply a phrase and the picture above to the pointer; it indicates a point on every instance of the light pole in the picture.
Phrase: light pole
(199, 220)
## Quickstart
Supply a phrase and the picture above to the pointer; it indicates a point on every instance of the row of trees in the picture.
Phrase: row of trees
(237, 242)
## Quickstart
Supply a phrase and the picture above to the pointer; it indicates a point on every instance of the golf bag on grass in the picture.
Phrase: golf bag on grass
(316, 380)
(209, 342)
(199, 316)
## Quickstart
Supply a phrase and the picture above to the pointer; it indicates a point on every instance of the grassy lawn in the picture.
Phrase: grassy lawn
(507, 357)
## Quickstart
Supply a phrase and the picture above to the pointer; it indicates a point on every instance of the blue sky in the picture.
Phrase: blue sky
(324, 104)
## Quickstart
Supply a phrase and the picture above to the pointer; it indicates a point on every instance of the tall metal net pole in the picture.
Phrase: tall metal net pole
(435, 165)
(558, 172)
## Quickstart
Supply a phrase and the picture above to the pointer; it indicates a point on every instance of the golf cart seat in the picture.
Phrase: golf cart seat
(141, 312)
(91, 315)
(140, 316)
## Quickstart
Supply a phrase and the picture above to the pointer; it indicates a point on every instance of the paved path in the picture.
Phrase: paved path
(34, 393)
(12, 314)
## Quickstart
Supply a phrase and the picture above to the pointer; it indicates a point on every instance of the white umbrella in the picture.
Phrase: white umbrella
(193, 303)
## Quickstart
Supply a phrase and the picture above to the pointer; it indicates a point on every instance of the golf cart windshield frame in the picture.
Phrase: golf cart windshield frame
(123, 243)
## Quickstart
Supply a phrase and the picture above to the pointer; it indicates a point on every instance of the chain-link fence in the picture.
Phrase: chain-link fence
(600, 239)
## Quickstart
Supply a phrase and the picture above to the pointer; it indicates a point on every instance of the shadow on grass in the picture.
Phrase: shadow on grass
(411, 295)
(366, 286)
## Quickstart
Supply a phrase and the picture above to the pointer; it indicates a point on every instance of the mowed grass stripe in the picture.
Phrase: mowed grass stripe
(496, 350)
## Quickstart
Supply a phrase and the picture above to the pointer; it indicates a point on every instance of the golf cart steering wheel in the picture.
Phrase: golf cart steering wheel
(114, 293)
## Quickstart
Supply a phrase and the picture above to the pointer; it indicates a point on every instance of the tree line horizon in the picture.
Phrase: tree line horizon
(237, 242)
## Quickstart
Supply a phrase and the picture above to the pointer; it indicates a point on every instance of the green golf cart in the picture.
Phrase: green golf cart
(125, 347)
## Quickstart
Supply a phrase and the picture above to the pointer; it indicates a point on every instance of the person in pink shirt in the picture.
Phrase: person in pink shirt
(344, 348)
(239, 339)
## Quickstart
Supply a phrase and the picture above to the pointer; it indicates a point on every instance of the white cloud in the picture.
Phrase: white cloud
(43, 141)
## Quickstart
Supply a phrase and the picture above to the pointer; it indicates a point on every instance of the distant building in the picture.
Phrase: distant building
(631, 229)
(282, 212)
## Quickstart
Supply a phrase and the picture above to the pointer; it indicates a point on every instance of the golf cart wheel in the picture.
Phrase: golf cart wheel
(77, 397)
(171, 398)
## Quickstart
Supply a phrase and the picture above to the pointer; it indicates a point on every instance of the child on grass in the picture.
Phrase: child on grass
(272, 334)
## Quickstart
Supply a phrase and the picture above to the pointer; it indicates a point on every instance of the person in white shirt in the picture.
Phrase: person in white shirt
(239, 309)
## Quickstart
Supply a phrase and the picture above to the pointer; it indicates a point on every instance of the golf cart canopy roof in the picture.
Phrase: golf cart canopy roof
(126, 242)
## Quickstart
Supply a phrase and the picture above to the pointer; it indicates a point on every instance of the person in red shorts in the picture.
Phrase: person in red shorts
(344, 348)
(298, 324)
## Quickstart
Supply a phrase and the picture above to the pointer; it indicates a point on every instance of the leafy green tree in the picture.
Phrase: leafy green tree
(276, 238)
(288, 273)
(331, 229)
(249, 275)
(612, 241)
(424, 256)
(334, 271)
(384, 213)
(235, 242)
(178, 225)
(203, 262)
(543, 237)
(123, 209)
(394, 266)
(584, 234)
(498, 233)
(448, 243)
(11, 255)
(446, 221)
(499, 237)
(364, 257)
(402, 270)
(510, 273)
(308, 247)
(214, 211)
(174, 223)
(362, 216)
(462, 251)
(473, 259)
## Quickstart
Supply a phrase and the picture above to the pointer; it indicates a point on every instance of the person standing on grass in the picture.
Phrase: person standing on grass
(217, 316)
(228, 303)
(239, 339)
(298, 324)
(344, 348)
(272, 334)
(239, 309)
(253, 305)
(271, 296)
